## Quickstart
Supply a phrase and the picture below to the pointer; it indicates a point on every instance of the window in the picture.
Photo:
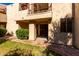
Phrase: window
(66, 24)
(40, 6)
(63, 25)
(23, 6)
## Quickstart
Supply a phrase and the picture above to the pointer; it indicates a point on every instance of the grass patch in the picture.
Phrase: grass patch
(9, 48)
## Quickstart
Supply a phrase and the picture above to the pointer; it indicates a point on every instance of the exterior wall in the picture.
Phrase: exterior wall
(59, 11)
(54, 34)
(22, 15)
(14, 14)
(12, 11)
(32, 32)
(3, 20)
(76, 25)
(25, 16)
(3, 9)
(3, 17)
(23, 25)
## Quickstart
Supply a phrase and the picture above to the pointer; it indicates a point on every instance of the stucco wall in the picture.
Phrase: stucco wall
(76, 25)
(12, 11)
(13, 14)
(3, 17)
(23, 25)
(59, 11)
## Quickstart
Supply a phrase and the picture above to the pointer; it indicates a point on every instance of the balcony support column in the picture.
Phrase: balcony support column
(32, 32)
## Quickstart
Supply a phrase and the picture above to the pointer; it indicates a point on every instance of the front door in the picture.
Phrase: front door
(42, 30)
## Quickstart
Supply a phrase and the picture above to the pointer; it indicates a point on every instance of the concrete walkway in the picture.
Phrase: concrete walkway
(64, 50)
(32, 42)
(39, 41)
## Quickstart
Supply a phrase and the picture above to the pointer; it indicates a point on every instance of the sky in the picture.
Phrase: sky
(6, 3)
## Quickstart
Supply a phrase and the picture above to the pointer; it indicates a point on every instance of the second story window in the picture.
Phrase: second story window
(40, 7)
(23, 6)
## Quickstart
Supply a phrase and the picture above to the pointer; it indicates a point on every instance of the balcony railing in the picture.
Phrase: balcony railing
(36, 7)
(39, 12)
(3, 11)
(42, 9)
(32, 13)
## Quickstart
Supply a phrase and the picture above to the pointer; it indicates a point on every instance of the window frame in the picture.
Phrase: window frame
(68, 27)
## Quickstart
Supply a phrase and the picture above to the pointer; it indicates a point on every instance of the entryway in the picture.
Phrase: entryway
(42, 30)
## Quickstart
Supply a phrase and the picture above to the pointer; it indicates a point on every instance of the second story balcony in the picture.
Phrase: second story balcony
(3, 16)
(40, 7)
(36, 11)
(3, 9)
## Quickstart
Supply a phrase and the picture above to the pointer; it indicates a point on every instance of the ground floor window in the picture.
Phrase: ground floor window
(66, 25)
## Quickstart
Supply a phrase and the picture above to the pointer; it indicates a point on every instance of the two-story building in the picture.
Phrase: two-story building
(57, 23)
(3, 16)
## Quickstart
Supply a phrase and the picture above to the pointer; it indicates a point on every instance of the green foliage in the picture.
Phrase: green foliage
(2, 40)
(30, 52)
(25, 50)
(48, 52)
(9, 48)
(36, 52)
(22, 33)
(2, 31)
(19, 52)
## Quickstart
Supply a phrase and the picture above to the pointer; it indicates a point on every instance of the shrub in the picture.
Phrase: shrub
(48, 52)
(2, 40)
(25, 50)
(2, 32)
(22, 33)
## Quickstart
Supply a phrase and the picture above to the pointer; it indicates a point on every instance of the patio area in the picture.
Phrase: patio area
(38, 42)
(64, 50)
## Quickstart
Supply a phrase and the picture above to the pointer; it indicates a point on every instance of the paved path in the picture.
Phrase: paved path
(64, 50)
(32, 42)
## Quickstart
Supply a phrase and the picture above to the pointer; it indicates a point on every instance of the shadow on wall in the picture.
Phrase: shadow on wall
(59, 37)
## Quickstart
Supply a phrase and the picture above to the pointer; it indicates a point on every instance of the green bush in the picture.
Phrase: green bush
(22, 33)
(48, 52)
(2, 32)
(2, 40)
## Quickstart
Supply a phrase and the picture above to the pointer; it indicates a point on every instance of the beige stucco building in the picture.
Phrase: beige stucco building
(3, 16)
(45, 21)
